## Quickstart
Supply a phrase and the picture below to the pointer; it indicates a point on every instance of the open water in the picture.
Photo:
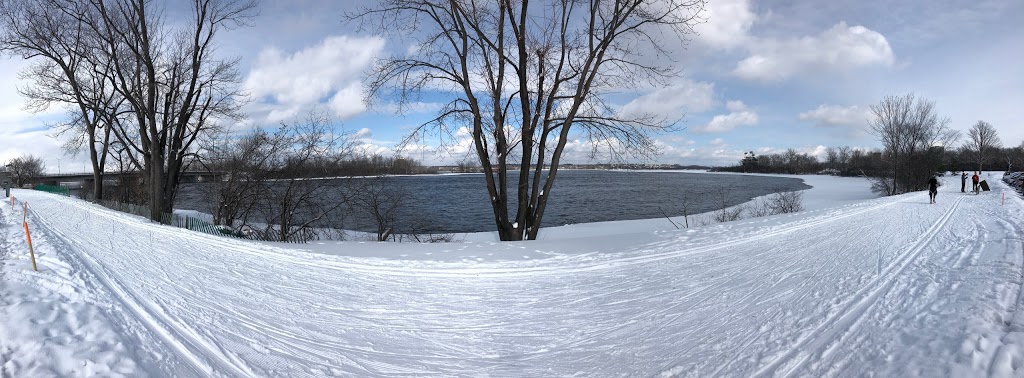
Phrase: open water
(458, 203)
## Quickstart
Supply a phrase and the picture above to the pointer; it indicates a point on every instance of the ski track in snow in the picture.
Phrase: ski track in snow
(55, 323)
(849, 315)
(5, 246)
(185, 344)
(889, 287)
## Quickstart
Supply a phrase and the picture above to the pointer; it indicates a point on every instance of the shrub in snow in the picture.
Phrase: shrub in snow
(729, 214)
(786, 202)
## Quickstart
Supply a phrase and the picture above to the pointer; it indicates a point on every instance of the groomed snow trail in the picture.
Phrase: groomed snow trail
(56, 322)
(888, 287)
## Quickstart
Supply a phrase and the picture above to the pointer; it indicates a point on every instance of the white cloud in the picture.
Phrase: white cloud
(728, 24)
(330, 71)
(371, 149)
(348, 101)
(18, 140)
(674, 100)
(24, 133)
(416, 107)
(715, 152)
(840, 48)
(11, 103)
(727, 122)
(363, 133)
(837, 116)
(818, 151)
(739, 115)
(735, 106)
(772, 59)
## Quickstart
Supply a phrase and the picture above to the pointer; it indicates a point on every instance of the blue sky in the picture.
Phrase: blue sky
(762, 76)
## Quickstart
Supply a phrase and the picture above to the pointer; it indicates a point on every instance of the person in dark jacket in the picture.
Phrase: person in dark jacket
(933, 189)
(963, 182)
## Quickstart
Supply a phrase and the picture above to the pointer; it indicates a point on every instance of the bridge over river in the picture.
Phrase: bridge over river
(79, 183)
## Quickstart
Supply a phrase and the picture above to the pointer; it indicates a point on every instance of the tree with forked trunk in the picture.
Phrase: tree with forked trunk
(67, 70)
(525, 79)
(174, 86)
(154, 86)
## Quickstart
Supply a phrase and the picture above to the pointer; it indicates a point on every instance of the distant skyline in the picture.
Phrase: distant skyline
(762, 77)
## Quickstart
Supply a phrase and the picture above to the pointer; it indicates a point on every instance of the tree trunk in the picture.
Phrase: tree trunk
(97, 169)
(156, 180)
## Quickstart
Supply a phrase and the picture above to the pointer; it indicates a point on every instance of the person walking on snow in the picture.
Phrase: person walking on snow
(975, 179)
(963, 182)
(933, 189)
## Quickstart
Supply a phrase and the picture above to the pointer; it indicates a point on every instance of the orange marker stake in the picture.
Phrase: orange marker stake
(28, 236)
(30, 251)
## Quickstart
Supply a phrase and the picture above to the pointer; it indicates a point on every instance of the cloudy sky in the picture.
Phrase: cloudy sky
(761, 76)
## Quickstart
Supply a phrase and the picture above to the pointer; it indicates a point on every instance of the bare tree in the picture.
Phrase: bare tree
(1015, 157)
(832, 158)
(778, 203)
(154, 86)
(129, 187)
(298, 192)
(983, 142)
(526, 79)
(66, 70)
(907, 128)
(244, 163)
(686, 203)
(174, 86)
(726, 213)
(24, 167)
(786, 202)
(844, 159)
(759, 208)
(383, 200)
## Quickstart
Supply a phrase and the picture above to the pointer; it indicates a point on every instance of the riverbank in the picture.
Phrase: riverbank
(459, 203)
(825, 192)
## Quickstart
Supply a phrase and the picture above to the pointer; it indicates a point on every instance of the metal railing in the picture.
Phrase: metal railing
(206, 227)
(62, 190)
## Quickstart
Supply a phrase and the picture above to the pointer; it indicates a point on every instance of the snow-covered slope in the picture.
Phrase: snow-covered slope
(886, 287)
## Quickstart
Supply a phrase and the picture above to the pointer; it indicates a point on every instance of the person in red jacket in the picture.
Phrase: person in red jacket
(975, 179)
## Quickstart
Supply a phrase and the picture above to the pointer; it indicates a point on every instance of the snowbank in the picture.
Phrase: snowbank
(879, 287)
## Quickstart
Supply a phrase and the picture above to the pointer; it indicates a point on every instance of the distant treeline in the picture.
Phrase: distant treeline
(848, 161)
(842, 161)
(373, 165)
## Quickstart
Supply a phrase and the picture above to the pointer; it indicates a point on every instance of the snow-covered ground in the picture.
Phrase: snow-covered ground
(854, 286)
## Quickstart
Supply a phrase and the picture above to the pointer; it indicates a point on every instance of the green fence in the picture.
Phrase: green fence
(200, 225)
(62, 190)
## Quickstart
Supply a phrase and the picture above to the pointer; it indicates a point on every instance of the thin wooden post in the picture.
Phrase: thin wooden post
(28, 236)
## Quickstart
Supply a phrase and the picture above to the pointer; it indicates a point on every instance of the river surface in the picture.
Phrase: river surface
(458, 203)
